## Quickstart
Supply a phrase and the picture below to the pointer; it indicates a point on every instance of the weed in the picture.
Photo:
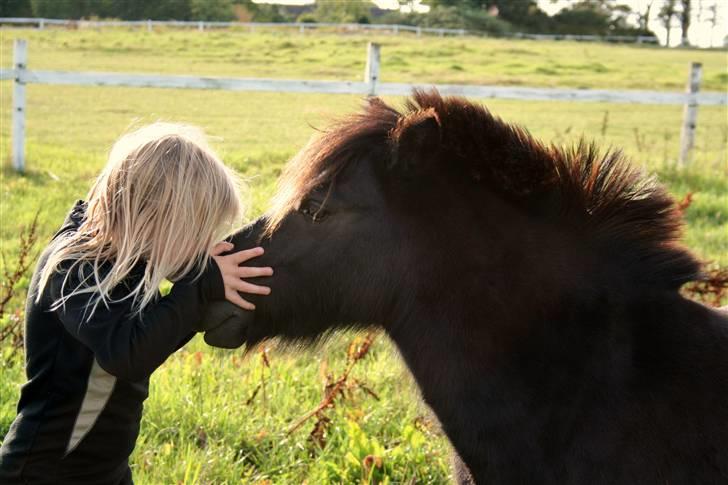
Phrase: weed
(11, 332)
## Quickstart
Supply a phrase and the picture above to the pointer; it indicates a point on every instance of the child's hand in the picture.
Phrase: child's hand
(233, 273)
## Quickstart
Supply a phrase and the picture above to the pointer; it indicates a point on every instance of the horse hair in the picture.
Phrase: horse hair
(623, 211)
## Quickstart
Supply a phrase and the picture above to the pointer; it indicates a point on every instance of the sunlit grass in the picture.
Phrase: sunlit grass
(405, 58)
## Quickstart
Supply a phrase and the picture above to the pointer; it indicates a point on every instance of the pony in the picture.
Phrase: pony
(531, 290)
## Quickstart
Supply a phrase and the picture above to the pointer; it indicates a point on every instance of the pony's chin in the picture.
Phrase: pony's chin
(231, 334)
(227, 326)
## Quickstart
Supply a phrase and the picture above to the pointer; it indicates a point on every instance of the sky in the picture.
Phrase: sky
(700, 33)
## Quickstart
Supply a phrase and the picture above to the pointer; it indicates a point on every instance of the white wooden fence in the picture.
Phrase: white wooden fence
(302, 27)
(370, 86)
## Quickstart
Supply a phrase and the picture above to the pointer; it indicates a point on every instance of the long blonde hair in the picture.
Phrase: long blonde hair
(164, 198)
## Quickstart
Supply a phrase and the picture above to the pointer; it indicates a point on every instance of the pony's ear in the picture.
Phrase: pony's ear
(416, 141)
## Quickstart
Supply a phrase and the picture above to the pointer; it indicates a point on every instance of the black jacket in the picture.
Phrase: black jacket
(79, 413)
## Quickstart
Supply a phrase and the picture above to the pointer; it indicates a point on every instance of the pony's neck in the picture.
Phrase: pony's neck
(509, 342)
(495, 392)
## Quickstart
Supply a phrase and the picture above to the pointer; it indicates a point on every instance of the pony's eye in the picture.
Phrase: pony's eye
(313, 210)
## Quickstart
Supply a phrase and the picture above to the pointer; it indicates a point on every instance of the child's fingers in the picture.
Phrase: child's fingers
(253, 272)
(233, 297)
(243, 256)
(246, 287)
(221, 247)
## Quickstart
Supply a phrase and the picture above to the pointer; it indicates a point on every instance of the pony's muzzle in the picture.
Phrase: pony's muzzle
(226, 325)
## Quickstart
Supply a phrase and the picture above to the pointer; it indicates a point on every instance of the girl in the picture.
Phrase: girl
(96, 325)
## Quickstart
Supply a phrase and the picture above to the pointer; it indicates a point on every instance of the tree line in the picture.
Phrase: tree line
(496, 17)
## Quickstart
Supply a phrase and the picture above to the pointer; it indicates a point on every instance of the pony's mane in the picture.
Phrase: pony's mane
(627, 213)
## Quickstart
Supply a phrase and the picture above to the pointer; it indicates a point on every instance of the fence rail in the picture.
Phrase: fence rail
(357, 87)
(371, 85)
(41, 23)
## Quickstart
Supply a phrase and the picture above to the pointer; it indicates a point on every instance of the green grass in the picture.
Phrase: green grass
(405, 58)
(201, 426)
(198, 427)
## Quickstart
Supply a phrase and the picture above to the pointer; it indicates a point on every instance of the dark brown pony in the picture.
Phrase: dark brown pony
(532, 292)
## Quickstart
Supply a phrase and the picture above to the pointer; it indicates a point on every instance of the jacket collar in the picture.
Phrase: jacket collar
(74, 218)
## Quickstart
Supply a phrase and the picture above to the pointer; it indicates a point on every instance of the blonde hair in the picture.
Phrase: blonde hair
(164, 198)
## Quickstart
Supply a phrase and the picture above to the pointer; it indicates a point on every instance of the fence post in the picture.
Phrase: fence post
(302, 28)
(690, 113)
(41, 24)
(419, 31)
(20, 63)
(371, 72)
(200, 25)
(149, 25)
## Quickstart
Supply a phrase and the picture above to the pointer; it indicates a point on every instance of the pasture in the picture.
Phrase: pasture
(219, 417)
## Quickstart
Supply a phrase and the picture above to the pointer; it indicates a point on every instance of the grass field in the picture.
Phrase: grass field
(204, 421)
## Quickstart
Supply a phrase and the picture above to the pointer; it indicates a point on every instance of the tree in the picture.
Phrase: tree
(16, 8)
(350, 11)
(667, 13)
(685, 21)
(166, 10)
(122, 9)
(247, 11)
(585, 18)
(525, 14)
(61, 9)
(125, 10)
(408, 6)
(644, 18)
(713, 9)
(213, 10)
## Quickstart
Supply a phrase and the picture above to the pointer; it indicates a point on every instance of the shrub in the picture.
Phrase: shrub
(214, 10)
(444, 17)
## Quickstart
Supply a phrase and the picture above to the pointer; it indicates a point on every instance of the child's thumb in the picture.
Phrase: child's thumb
(221, 247)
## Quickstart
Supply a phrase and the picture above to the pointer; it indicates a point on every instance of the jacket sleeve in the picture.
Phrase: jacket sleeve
(131, 346)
